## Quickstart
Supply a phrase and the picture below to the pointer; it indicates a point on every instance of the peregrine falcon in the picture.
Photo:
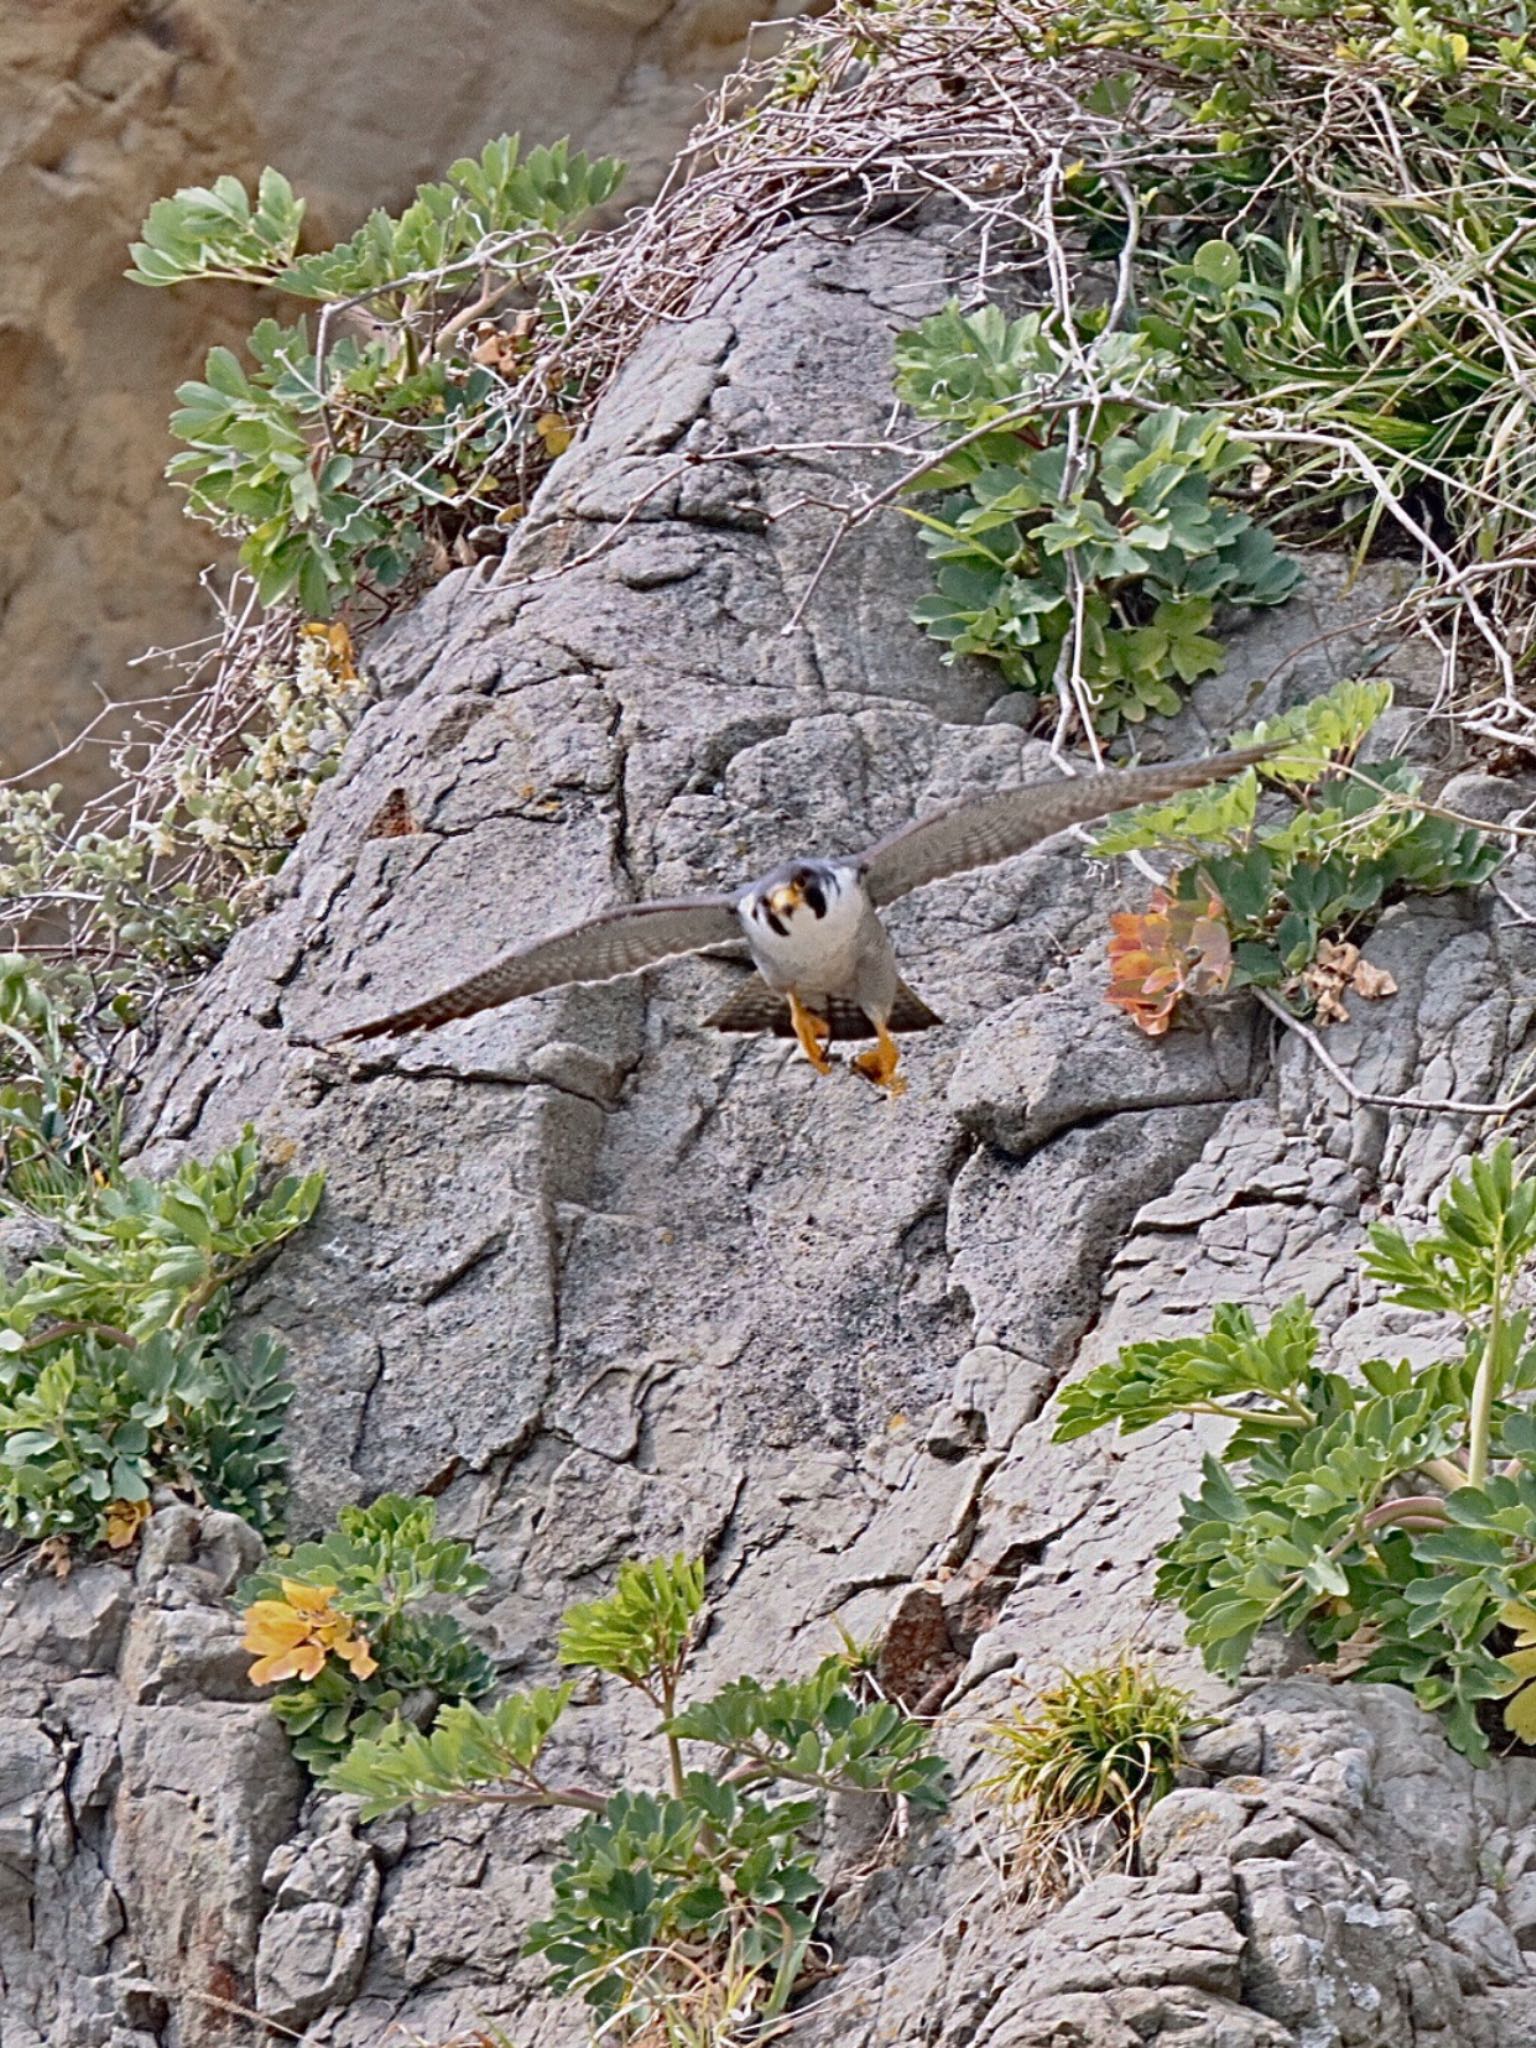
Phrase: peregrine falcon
(825, 969)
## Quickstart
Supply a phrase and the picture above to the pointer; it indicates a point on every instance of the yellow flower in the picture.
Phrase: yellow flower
(1520, 1712)
(124, 1519)
(294, 1635)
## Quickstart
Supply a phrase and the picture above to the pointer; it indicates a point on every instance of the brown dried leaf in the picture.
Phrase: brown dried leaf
(556, 433)
(1372, 982)
(124, 1519)
(1338, 957)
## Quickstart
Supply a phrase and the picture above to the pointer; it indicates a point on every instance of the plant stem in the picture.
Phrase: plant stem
(674, 1747)
(1267, 1418)
(108, 1332)
(1410, 1511)
(1445, 1472)
(1486, 1386)
(534, 1794)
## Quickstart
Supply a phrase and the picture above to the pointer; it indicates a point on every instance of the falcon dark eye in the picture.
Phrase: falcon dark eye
(815, 897)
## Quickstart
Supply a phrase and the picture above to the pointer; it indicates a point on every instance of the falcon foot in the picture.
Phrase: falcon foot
(814, 1034)
(880, 1063)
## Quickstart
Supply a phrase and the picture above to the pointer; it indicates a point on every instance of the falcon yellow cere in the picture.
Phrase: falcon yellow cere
(825, 969)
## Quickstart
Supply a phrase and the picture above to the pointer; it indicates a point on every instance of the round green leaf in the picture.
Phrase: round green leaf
(1218, 263)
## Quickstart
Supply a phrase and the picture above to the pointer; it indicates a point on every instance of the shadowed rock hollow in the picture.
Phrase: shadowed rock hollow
(612, 1285)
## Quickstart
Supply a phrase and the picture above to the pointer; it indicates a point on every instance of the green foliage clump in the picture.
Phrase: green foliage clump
(1391, 1517)
(338, 456)
(700, 1892)
(1346, 844)
(377, 1568)
(1091, 528)
(1104, 1743)
(1329, 218)
(114, 1379)
(57, 1112)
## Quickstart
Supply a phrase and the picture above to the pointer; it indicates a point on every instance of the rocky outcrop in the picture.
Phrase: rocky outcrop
(1342, 1878)
(105, 105)
(143, 1788)
(611, 1285)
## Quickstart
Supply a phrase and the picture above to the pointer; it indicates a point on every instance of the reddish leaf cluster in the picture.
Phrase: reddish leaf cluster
(1171, 949)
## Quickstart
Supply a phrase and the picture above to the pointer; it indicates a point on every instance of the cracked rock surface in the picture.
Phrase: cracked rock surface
(612, 1285)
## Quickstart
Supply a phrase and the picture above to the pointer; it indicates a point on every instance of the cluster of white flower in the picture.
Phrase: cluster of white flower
(248, 800)
(142, 888)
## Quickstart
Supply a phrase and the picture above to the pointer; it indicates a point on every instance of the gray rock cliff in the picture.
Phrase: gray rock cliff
(612, 1285)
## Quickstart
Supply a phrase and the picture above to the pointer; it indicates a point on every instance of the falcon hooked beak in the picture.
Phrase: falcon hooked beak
(787, 900)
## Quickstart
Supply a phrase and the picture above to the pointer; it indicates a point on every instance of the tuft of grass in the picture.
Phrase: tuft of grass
(1099, 1745)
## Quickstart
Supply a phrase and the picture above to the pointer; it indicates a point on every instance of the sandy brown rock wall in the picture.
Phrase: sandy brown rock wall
(102, 108)
(105, 105)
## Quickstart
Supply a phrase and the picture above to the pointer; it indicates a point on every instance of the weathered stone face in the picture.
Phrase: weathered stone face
(616, 1286)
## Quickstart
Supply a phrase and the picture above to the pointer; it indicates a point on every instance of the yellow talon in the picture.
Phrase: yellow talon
(814, 1034)
(880, 1063)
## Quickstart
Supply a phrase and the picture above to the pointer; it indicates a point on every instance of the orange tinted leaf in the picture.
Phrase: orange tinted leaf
(124, 1519)
(295, 1635)
(272, 1625)
(357, 1654)
(308, 1599)
(1170, 950)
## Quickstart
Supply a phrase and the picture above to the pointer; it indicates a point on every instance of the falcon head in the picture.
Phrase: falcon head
(808, 886)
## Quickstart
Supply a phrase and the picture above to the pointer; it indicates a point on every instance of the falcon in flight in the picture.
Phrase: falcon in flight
(825, 969)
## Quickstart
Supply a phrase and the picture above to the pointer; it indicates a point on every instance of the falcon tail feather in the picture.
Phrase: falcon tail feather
(422, 1016)
(756, 1007)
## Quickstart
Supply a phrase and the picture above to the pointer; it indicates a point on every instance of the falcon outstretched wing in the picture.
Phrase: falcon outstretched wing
(978, 831)
(617, 943)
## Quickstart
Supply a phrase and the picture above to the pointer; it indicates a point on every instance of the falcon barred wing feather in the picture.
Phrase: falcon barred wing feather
(617, 943)
(979, 831)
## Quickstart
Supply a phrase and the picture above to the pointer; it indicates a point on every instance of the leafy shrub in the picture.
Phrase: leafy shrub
(114, 1381)
(702, 1893)
(1390, 1517)
(57, 1116)
(337, 457)
(1270, 899)
(1089, 526)
(344, 1616)
(1365, 311)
